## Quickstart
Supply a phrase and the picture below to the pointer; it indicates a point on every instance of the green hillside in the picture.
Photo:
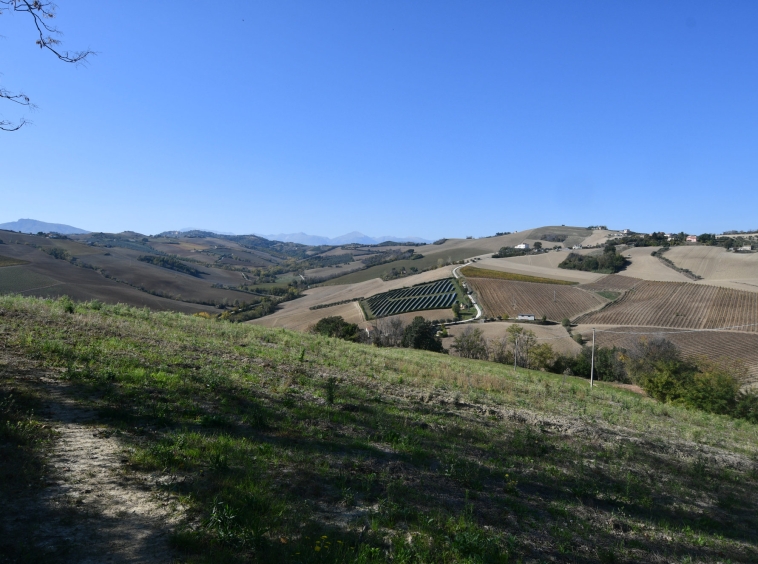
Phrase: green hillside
(276, 446)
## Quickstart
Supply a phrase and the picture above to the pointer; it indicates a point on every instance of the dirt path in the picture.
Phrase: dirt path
(93, 508)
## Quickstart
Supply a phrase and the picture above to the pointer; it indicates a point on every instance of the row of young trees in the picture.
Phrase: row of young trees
(172, 264)
(419, 334)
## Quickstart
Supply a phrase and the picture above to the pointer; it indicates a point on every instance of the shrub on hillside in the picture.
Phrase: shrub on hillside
(421, 334)
(506, 252)
(747, 406)
(58, 253)
(471, 344)
(607, 263)
(554, 237)
(336, 326)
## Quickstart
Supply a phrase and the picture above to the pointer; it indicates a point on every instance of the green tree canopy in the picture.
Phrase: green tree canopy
(336, 326)
(421, 334)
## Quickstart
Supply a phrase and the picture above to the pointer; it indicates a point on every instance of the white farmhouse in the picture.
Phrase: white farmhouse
(524, 246)
(526, 317)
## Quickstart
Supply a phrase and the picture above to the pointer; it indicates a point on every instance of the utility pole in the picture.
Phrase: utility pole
(515, 352)
(592, 368)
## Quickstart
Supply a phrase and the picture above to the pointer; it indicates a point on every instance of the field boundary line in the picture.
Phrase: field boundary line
(677, 330)
(41, 287)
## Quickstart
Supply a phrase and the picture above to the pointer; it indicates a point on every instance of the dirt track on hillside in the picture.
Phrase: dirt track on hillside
(93, 508)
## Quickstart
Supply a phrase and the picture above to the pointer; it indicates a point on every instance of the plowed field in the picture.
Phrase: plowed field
(613, 282)
(501, 297)
(715, 263)
(716, 345)
(680, 305)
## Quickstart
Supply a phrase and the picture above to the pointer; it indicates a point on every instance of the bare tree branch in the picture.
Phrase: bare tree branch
(41, 13)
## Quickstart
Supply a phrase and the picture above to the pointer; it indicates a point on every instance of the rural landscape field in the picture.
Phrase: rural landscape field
(378, 282)
(252, 442)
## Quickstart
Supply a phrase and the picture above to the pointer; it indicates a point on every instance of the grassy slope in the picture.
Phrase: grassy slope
(425, 457)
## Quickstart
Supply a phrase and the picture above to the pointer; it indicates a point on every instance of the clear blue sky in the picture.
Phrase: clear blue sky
(409, 118)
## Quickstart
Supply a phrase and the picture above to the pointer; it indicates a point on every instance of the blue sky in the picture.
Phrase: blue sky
(410, 118)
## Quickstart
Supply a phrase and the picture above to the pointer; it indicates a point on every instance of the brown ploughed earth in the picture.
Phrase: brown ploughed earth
(511, 298)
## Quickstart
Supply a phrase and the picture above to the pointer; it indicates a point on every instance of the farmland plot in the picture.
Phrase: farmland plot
(436, 295)
(16, 279)
(507, 297)
(715, 263)
(680, 305)
(717, 345)
(613, 282)
(8, 261)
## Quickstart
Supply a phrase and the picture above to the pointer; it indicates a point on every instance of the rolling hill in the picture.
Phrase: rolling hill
(168, 437)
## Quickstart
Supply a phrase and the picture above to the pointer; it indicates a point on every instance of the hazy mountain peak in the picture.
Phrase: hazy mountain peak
(35, 226)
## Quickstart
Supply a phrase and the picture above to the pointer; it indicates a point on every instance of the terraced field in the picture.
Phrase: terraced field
(436, 295)
(680, 305)
(716, 345)
(507, 297)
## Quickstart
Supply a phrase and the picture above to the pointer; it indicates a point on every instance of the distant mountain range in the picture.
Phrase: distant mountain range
(354, 237)
(208, 230)
(34, 226)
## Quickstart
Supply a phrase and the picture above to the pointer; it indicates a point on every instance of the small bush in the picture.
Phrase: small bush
(66, 304)
(336, 326)
(747, 406)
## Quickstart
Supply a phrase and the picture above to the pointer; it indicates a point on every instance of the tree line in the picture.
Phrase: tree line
(656, 365)
(172, 264)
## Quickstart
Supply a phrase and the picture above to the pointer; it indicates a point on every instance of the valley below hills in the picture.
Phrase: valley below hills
(202, 397)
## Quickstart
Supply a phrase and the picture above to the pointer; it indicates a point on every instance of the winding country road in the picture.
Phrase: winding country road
(479, 312)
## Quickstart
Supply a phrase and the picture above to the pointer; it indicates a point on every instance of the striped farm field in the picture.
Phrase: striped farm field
(441, 294)
(510, 297)
(16, 279)
(680, 305)
(612, 282)
(474, 272)
(728, 346)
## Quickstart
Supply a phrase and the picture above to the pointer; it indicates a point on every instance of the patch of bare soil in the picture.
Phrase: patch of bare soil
(631, 387)
(92, 509)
